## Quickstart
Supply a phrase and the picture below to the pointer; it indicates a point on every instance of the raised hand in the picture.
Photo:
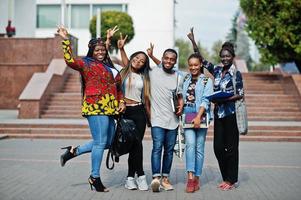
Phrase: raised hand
(121, 41)
(191, 34)
(111, 32)
(150, 50)
(62, 31)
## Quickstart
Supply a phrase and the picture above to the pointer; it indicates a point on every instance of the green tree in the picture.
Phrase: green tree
(232, 35)
(240, 39)
(109, 19)
(216, 47)
(185, 49)
(275, 27)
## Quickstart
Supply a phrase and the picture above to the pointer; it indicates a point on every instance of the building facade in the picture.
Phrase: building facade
(153, 20)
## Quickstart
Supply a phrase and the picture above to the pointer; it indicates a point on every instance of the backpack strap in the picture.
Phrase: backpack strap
(108, 159)
(205, 80)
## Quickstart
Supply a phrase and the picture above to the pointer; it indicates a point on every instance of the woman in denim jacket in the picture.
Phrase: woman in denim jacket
(196, 88)
(226, 135)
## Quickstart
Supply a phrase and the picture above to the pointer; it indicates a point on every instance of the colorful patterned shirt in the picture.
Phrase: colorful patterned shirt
(101, 84)
(225, 84)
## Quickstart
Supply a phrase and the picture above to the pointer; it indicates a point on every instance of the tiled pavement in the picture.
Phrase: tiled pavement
(30, 170)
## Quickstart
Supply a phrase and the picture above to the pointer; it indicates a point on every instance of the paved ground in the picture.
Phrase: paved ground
(11, 117)
(30, 170)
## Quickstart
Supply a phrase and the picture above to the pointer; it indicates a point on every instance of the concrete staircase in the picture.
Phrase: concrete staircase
(273, 109)
(67, 103)
(270, 98)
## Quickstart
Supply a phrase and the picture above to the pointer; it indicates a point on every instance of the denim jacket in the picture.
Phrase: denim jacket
(225, 84)
(201, 91)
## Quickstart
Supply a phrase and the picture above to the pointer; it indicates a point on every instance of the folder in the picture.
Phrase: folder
(220, 95)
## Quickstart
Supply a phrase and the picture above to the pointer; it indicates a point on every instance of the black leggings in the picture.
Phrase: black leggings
(135, 160)
(225, 143)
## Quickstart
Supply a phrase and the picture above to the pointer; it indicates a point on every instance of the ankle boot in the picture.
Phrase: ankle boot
(97, 184)
(190, 186)
(67, 155)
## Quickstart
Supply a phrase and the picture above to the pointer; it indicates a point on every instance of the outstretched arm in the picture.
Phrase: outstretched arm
(120, 45)
(150, 51)
(74, 63)
(190, 35)
(208, 65)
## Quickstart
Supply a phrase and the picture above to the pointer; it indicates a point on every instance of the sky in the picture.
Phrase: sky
(211, 19)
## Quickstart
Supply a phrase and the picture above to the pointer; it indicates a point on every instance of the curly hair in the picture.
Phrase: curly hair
(228, 46)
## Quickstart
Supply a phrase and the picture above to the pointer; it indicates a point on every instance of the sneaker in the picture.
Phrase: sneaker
(141, 183)
(130, 183)
(166, 185)
(155, 185)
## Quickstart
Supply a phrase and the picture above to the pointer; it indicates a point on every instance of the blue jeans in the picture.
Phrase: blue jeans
(194, 149)
(167, 139)
(102, 128)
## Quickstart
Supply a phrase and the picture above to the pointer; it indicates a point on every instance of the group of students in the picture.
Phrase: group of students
(142, 93)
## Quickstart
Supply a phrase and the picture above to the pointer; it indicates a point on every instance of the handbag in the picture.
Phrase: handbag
(188, 117)
(124, 138)
(240, 111)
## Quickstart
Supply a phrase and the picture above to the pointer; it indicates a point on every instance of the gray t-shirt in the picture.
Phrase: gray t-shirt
(162, 86)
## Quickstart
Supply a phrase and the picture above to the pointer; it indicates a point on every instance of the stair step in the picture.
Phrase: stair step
(62, 116)
(73, 131)
(273, 118)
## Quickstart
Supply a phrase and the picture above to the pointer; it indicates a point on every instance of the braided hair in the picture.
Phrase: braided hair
(100, 42)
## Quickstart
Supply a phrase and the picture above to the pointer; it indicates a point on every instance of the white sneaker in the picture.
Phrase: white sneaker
(130, 183)
(141, 182)
(155, 185)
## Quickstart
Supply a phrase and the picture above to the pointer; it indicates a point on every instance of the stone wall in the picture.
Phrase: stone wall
(20, 58)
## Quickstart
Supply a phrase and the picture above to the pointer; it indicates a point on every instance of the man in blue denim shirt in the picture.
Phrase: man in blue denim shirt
(226, 135)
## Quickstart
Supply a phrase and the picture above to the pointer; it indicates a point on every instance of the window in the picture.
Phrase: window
(80, 15)
(48, 16)
(106, 7)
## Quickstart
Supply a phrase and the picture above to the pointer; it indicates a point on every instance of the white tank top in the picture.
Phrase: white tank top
(133, 87)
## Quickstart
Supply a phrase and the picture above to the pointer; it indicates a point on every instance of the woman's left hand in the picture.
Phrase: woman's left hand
(121, 107)
(196, 122)
(111, 32)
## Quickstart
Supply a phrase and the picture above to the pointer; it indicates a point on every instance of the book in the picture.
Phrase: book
(188, 117)
(220, 95)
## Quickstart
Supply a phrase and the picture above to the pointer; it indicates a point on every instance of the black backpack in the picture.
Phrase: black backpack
(124, 138)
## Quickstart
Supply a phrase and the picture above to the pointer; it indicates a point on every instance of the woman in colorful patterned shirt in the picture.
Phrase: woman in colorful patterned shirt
(226, 135)
(102, 100)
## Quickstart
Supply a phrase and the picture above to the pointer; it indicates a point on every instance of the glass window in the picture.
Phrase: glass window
(80, 15)
(106, 7)
(48, 16)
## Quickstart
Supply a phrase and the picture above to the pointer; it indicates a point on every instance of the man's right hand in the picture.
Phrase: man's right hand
(150, 50)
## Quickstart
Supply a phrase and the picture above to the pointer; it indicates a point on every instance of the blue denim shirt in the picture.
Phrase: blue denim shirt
(225, 84)
(201, 92)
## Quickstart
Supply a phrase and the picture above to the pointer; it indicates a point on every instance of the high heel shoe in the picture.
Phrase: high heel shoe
(97, 184)
(67, 155)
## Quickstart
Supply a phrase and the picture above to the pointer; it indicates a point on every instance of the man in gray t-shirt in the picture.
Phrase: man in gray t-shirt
(164, 80)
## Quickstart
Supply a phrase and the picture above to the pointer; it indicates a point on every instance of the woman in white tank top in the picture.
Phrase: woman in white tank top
(136, 88)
